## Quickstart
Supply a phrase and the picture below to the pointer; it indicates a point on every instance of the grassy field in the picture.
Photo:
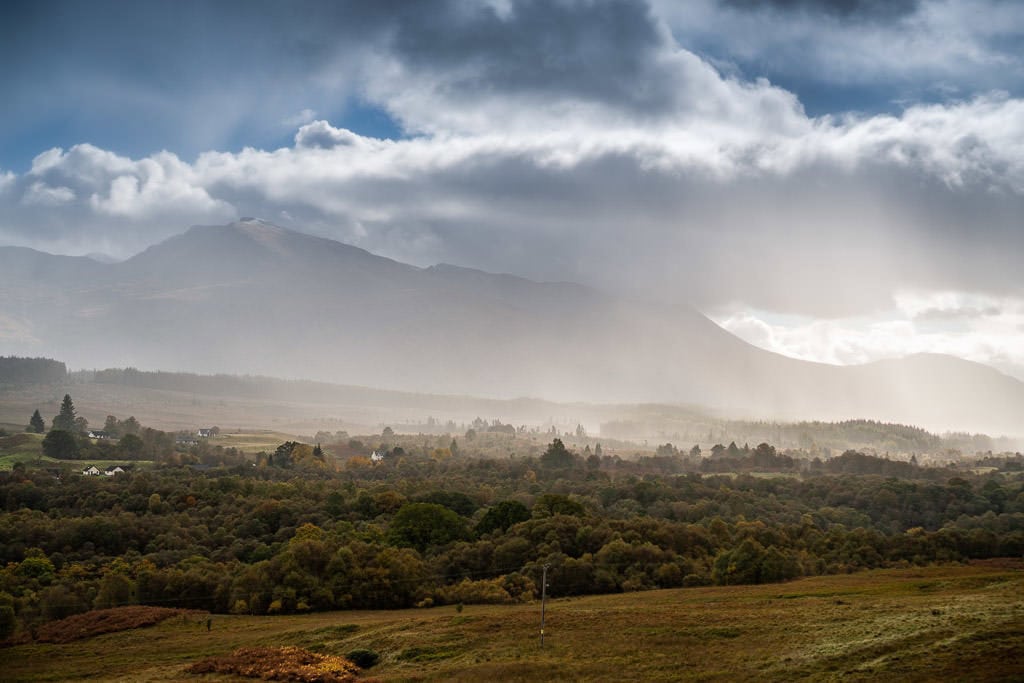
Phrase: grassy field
(20, 447)
(920, 624)
(252, 442)
(7, 462)
(28, 449)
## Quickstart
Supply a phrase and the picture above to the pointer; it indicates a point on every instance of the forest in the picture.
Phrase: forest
(17, 370)
(292, 531)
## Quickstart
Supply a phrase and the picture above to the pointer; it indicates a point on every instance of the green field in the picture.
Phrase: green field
(8, 460)
(252, 442)
(28, 449)
(919, 624)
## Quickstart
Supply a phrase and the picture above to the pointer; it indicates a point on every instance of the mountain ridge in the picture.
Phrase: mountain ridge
(254, 298)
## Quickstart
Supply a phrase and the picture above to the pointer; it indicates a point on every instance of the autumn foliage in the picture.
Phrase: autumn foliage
(280, 664)
(101, 621)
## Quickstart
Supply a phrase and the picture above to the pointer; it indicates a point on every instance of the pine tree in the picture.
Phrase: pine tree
(65, 421)
(37, 424)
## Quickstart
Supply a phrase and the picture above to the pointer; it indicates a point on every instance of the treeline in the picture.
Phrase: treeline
(15, 370)
(279, 537)
(825, 438)
(180, 381)
(249, 386)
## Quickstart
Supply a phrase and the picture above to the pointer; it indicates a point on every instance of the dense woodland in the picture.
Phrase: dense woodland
(295, 531)
(15, 370)
(398, 520)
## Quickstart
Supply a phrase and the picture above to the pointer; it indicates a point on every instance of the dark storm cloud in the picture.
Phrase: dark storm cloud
(193, 76)
(860, 56)
(857, 10)
(600, 51)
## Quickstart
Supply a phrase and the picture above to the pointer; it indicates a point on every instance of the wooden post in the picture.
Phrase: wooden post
(543, 601)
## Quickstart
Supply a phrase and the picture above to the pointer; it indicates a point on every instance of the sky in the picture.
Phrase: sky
(838, 180)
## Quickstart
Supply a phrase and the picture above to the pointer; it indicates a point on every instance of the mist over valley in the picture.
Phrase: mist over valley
(253, 298)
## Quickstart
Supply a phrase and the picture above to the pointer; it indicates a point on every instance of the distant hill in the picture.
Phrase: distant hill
(254, 298)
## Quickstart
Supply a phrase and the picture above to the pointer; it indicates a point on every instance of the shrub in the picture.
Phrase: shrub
(281, 664)
(482, 592)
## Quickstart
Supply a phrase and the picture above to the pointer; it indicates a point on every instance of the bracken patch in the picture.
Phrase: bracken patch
(280, 664)
(97, 622)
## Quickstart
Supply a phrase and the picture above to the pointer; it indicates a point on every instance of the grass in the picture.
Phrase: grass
(252, 442)
(27, 448)
(20, 447)
(8, 460)
(879, 625)
(98, 622)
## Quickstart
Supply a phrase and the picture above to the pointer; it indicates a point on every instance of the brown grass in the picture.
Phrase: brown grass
(101, 621)
(279, 664)
(942, 623)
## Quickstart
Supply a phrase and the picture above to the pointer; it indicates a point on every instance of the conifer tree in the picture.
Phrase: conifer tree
(65, 420)
(36, 423)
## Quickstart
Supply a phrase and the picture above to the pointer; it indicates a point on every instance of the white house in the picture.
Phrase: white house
(116, 470)
(376, 456)
(91, 471)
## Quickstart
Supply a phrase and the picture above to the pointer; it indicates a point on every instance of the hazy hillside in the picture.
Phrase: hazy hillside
(254, 298)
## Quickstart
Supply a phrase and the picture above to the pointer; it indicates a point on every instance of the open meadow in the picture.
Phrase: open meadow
(916, 624)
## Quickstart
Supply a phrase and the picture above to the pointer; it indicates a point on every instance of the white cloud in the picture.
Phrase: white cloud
(300, 119)
(157, 185)
(323, 135)
(41, 194)
(974, 326)
(727, 192)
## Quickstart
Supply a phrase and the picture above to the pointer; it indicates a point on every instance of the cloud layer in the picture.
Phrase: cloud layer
(617, 143)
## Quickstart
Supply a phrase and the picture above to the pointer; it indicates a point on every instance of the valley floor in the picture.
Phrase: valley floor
(917, 624)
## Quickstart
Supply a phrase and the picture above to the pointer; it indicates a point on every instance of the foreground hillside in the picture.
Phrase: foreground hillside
(934, 623)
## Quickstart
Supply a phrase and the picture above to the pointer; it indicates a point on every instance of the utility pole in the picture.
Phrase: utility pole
(543, 601)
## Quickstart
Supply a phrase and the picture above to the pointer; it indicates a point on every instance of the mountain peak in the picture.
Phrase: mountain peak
(264, 232)
(255, 228)
(258, 226)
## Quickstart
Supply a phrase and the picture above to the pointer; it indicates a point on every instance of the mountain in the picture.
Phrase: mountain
(251, 297)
